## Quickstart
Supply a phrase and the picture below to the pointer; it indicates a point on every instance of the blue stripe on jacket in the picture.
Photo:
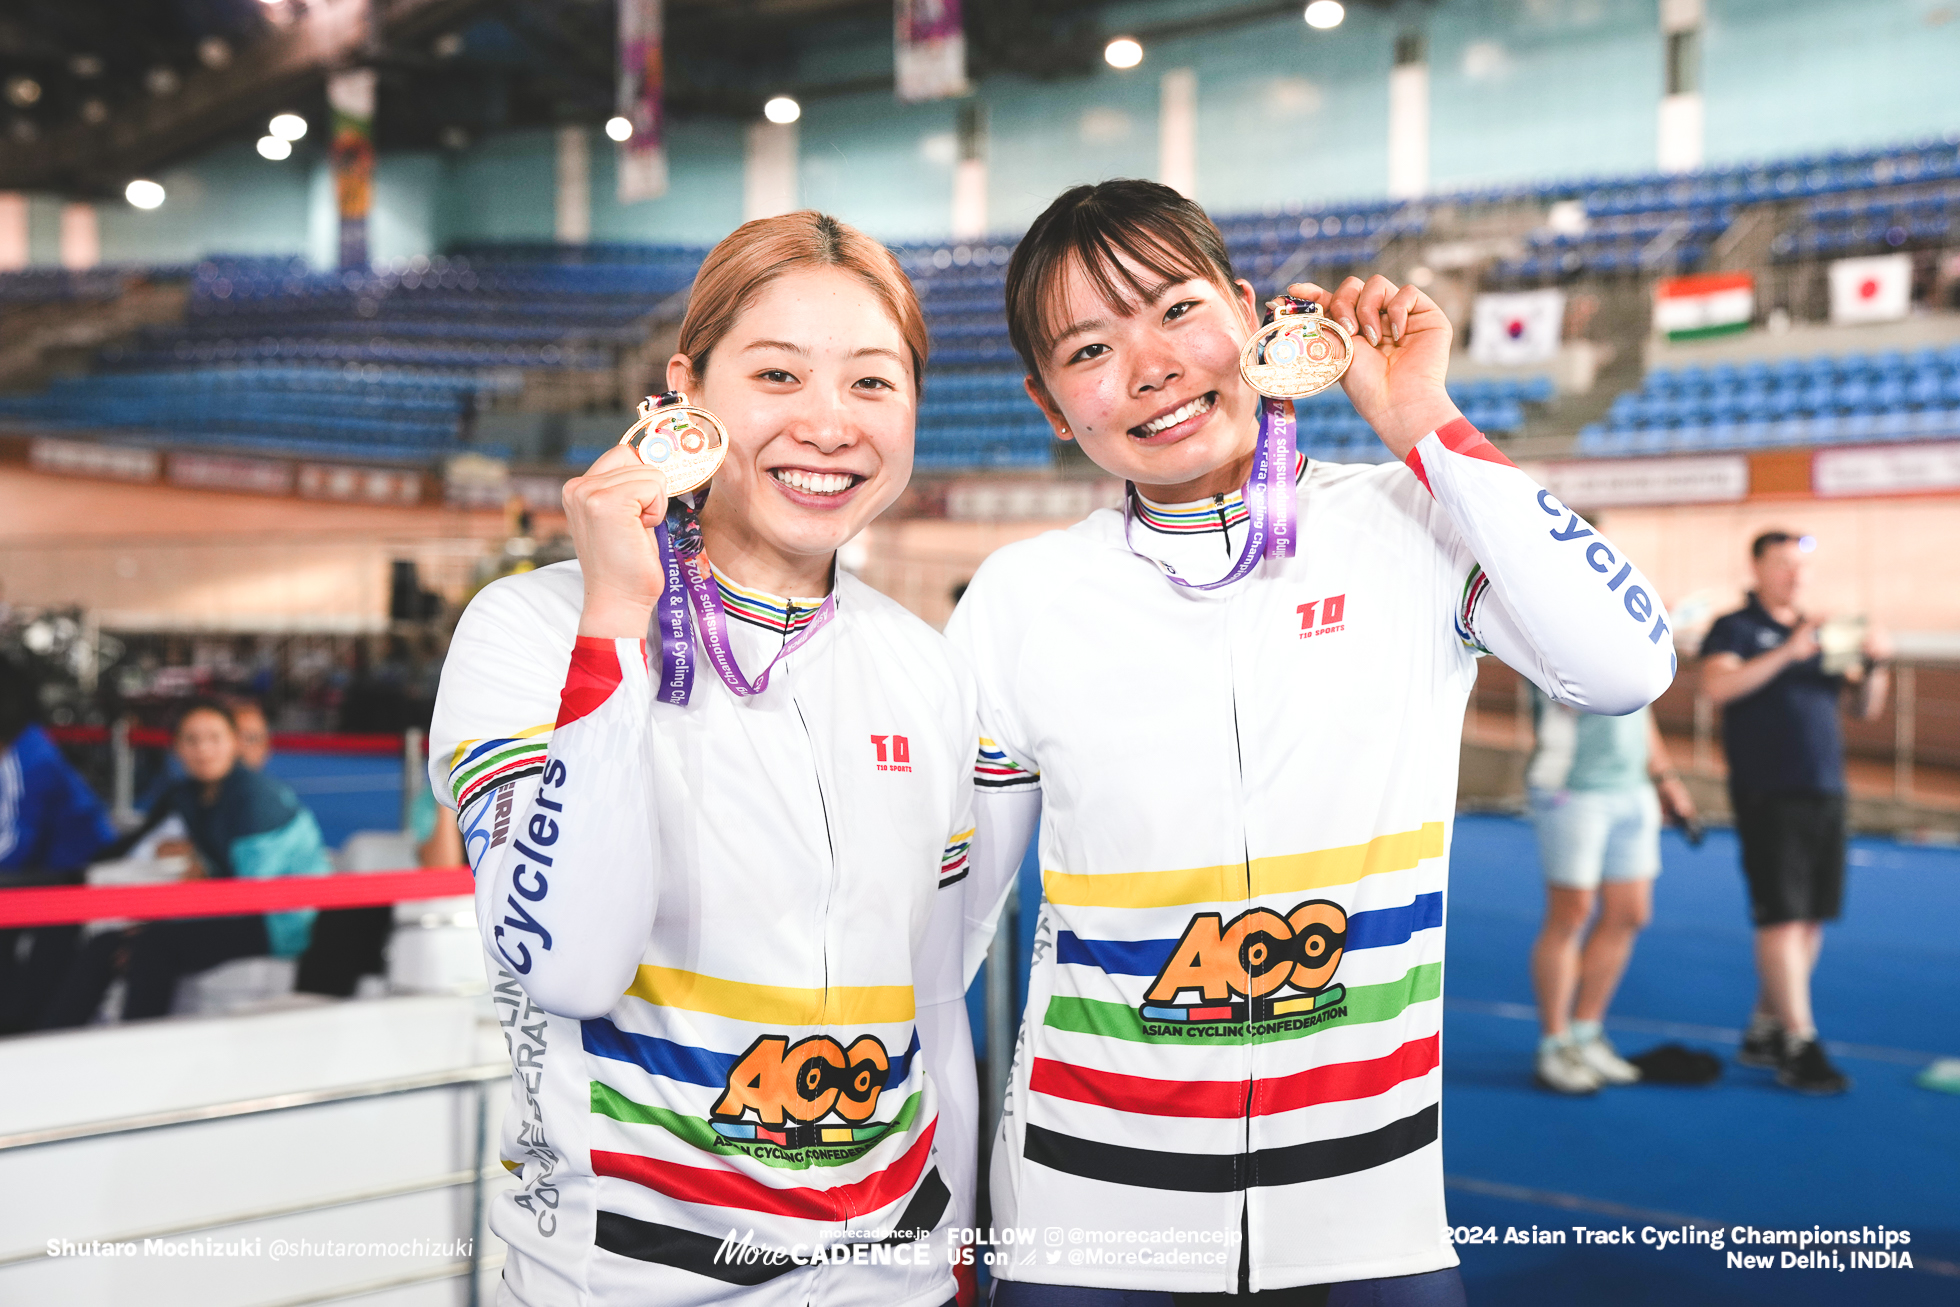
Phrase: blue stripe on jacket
(1379, 928)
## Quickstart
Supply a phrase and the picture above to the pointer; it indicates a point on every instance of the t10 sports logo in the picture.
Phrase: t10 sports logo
(780, 1093)
(1259, 966)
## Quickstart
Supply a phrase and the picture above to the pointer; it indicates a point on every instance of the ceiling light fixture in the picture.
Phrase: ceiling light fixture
(620, 129)
(287, 126)
(1123, 52)
(782, 109)
(1324, 14)
(143, 194)
(275, 148)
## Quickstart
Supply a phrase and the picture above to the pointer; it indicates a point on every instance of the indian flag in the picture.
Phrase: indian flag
(1708, 304)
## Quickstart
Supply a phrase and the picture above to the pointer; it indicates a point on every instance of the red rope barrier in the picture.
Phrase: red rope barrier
(290, 741)
(67, 905)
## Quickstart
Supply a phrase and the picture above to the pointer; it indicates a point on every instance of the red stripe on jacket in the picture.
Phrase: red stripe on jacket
(1223, 1099)
(721, 1188)
(591, 679)
(1459, 437)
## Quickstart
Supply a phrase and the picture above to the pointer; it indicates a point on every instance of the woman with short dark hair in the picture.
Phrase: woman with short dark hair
(1234, 708)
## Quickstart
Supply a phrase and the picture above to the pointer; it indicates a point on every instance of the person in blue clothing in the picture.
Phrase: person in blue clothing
(242, 823)
(51, 827)
(1763, 666)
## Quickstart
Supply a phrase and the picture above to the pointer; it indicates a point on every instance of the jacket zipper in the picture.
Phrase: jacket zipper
(1245, 1121)
(830, 843)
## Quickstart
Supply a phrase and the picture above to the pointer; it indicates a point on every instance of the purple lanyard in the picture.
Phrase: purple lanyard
(1270, 498)
(687, 577)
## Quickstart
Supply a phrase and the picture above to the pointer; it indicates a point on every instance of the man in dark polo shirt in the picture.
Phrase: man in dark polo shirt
(1763, 667)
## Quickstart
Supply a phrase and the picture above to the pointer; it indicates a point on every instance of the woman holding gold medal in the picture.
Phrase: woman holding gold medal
(1233, 706)
(711, 787)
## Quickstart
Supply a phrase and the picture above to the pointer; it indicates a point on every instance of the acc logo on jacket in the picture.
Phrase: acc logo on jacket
(780, 1093)
(1242, 971)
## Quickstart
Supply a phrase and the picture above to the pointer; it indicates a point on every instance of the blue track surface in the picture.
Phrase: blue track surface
(1740, 1152)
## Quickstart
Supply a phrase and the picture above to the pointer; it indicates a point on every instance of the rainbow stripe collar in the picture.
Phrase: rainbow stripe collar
(1219, 513)
(773, 613)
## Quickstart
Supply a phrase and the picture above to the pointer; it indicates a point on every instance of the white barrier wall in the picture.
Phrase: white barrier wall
(120, 1187)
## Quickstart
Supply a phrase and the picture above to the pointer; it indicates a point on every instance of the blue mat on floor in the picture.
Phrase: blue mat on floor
(1741, 1152)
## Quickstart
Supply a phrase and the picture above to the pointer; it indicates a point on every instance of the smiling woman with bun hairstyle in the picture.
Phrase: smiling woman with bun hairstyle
(707, 920)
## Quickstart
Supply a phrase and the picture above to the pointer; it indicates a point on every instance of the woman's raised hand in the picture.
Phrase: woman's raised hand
(1401, 355)
(612, 511)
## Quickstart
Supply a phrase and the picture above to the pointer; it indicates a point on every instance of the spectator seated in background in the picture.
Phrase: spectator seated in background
(254, 733)
(242, 823)
(51, 827)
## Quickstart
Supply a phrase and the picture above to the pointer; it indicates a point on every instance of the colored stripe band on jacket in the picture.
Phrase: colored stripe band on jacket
(718, 1187)
(1360, 1005)
(1291, 873)
(994, 770)
(1218, 1173)
(1340, 1082)
(774, 1005)
(1378, 928)
(688, 1064)
(489, 763)
(714, 1137)
(711, 1256)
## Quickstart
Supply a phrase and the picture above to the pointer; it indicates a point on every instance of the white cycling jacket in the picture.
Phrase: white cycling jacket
(1245, 801)
(703, 925)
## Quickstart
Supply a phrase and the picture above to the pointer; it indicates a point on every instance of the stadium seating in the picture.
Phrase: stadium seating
(61, 286)
(388, 363)
(1888, 396)
(1903, 217)
(366, 412)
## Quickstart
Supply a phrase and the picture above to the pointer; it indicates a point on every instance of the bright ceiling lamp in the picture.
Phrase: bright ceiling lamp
(620, 129)
(1123, 52)
(143, 194)
(275, 148)
(782, 109)
(1324, 14)
(287, 126)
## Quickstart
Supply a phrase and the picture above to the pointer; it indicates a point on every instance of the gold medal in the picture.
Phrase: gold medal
(1300, 352)
(685, 441)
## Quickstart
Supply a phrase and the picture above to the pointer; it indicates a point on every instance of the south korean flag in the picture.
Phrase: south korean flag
(1518, 328)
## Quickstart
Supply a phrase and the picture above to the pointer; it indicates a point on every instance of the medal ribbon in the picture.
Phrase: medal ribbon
(689, 591)
(1271, 498)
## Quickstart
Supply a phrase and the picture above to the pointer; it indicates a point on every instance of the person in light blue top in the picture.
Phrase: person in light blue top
(1598, 787)
(242, 824)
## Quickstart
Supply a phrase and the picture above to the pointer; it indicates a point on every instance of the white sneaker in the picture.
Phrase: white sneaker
(1606, 1062)
(1563, 1070)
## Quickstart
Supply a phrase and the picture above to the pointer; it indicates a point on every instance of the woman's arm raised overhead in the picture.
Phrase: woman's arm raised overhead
(1544, 591)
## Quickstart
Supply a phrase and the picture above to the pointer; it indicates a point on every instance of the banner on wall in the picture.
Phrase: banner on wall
(350, 94)
(643, 156)
(930, 50)
(1517, 328)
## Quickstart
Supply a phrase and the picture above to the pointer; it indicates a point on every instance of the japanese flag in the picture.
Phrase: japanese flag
(1871, 290)
(1517, 328)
